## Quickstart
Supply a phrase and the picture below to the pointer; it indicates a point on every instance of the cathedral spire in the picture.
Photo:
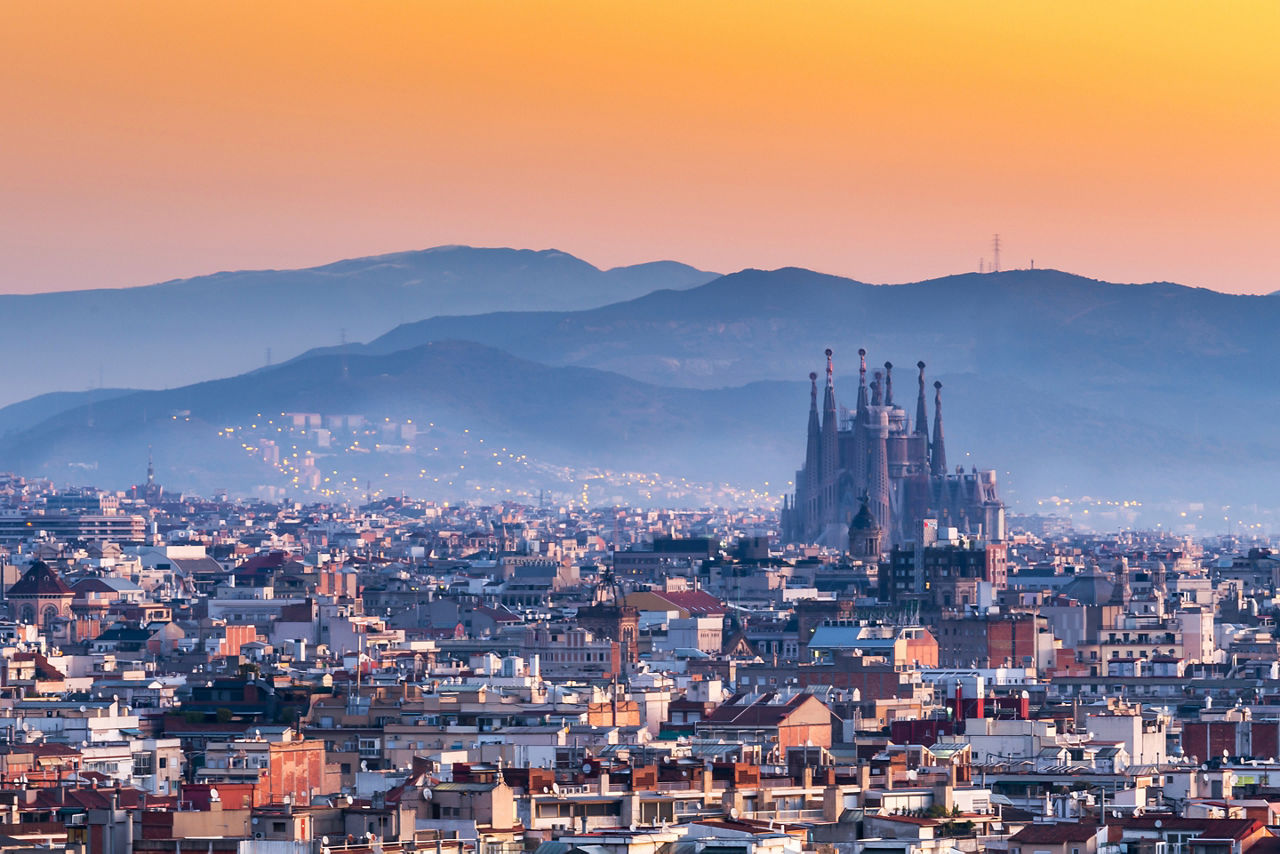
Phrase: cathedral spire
(862, 385)
(829, 397)
(812, 456)
(888, 383)
(877, 388)
(878, 475)
(829, 448)
(922, 414)
(938, 459)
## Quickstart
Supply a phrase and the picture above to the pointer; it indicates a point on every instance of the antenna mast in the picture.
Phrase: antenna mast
(995, 252)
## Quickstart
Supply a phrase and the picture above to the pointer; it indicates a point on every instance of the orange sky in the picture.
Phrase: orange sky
(885, 141)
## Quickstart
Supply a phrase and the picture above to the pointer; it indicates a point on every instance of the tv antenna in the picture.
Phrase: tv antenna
(995, 254)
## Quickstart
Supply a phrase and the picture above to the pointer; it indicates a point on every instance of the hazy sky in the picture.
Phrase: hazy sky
(142, 141)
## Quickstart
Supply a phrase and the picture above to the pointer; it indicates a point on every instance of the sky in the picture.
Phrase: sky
(1130, 141)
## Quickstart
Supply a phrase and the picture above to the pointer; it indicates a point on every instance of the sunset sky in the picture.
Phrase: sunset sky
(886, 141)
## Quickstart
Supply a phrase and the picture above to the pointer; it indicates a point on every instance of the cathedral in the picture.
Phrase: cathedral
(878, 460)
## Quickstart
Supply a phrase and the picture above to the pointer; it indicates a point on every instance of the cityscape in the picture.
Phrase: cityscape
(569, 427)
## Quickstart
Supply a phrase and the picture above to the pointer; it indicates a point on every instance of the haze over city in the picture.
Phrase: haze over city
(639, 428)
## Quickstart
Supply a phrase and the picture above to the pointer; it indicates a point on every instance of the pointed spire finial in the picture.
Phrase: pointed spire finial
(813, 389)
(861, 408)
(888, 383)
(938, 462)
(922, 414)
(830, 369)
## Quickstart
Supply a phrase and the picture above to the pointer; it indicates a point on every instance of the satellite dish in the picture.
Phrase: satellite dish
(213, 795)
(733, 813)
(324, 840)
(586, 767)
(426, 794)
(555, 788)
(546, 790)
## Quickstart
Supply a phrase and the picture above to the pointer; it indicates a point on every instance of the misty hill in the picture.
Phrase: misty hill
(1179, 364)
(179, 332)
(17, 417)
(458, 394)
(475, 407)
(1160, 354)
(773, 324)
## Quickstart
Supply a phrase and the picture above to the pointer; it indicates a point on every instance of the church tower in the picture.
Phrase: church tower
(810, 484)
(938, 451)
(864, 536)
(39, 597)
(830, 449)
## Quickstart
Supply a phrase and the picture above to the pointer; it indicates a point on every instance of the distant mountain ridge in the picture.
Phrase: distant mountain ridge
(186, 330)
(1152, 392)
(964, 322)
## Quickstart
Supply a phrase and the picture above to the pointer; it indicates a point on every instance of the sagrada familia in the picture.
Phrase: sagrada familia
(876, 458)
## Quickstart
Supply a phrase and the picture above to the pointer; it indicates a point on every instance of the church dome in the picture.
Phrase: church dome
(864, 521)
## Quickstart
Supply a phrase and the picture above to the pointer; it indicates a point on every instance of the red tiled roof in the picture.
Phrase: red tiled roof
(39, 580)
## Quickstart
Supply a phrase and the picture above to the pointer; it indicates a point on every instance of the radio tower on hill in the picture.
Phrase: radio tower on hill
(995, 254)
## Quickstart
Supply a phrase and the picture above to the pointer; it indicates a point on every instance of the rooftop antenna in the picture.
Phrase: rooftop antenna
(995, 253)
(268, 357)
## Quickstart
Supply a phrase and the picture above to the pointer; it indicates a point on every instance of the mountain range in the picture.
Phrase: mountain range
(183, 331)
(1153, 393)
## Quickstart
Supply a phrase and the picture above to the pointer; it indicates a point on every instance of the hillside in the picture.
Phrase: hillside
(180, 332)
(485, 422)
